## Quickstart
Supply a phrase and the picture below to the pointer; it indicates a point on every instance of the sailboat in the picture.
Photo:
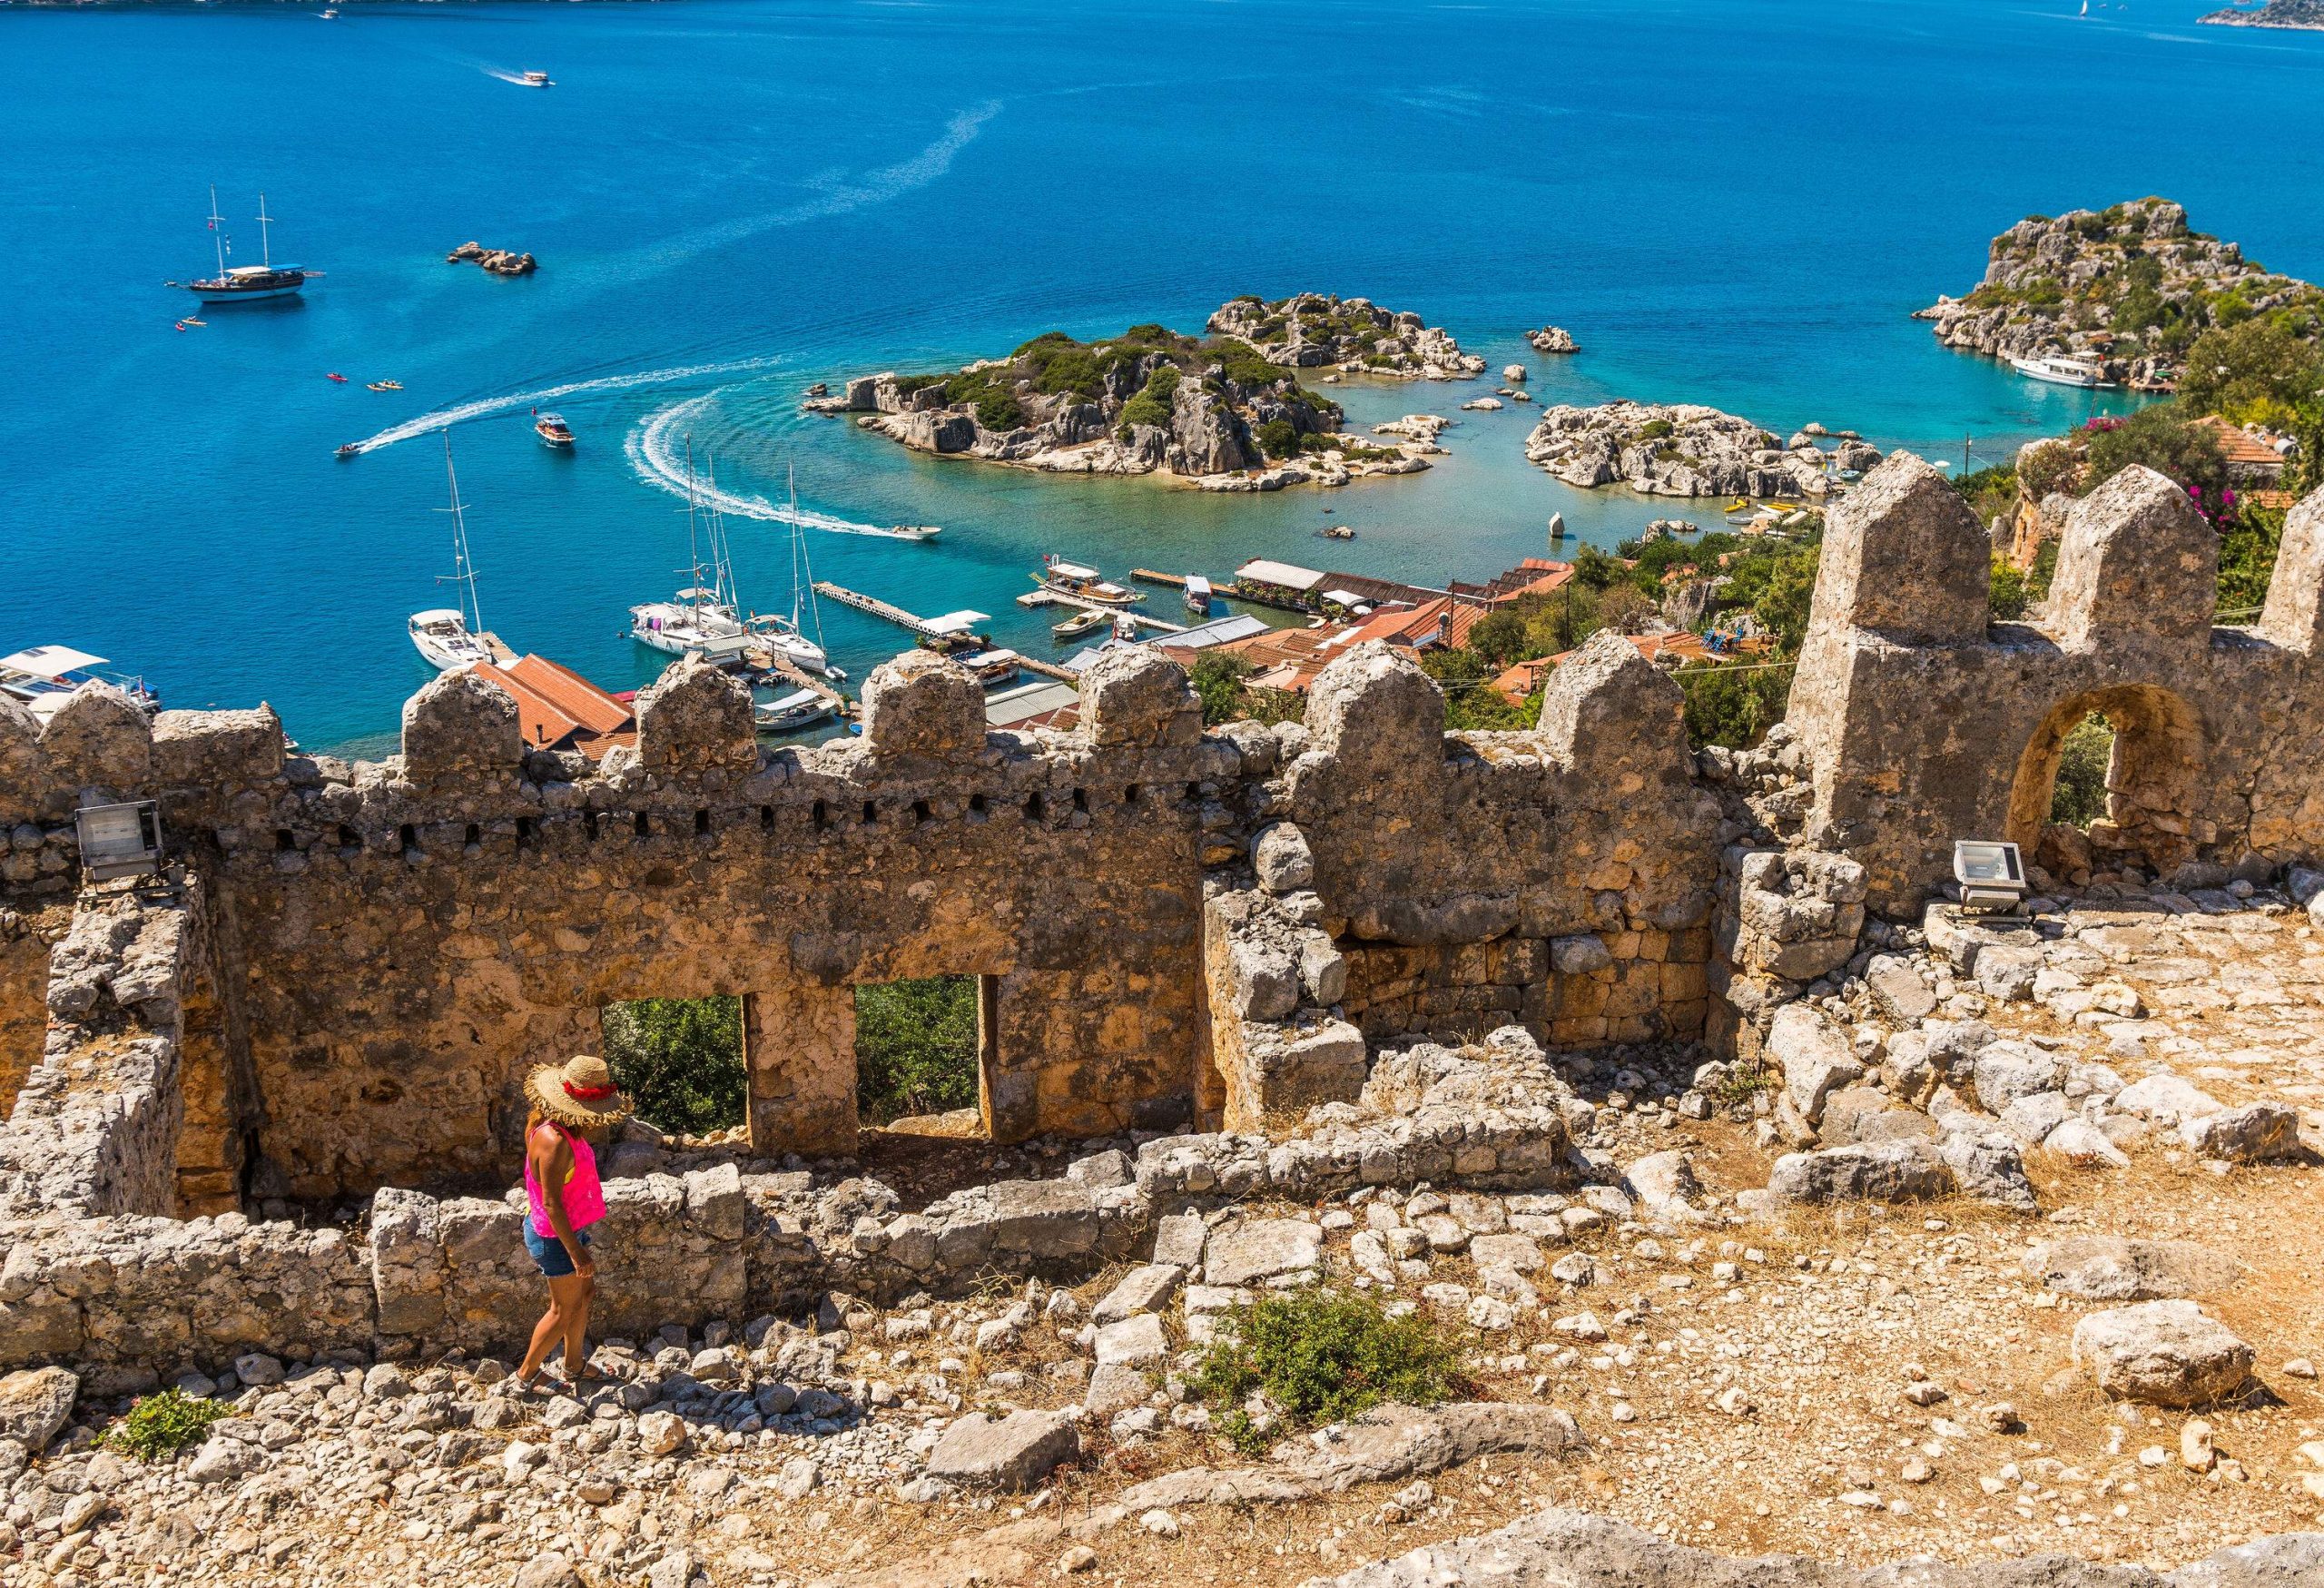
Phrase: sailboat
(455, 637)
(248, 283)
(786, 637)
(701, 620)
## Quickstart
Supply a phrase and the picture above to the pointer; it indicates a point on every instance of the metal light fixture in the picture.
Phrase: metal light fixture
(119, 841)
(1992, 876)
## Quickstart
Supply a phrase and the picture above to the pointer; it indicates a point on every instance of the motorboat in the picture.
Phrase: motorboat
(913, 531)
(247, 283)
(1071, 578)
(455, 637)
(991, 666)
(2060, 371)
(535, 80)
(41, 678)
(1199, 594)
(552, 429)
(349, 450)
(788, 714)
(1080, 624)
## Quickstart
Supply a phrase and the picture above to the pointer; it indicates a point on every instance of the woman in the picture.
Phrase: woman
(561, 1185)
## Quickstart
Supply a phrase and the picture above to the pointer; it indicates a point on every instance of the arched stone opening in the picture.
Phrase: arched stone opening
(2150, 785)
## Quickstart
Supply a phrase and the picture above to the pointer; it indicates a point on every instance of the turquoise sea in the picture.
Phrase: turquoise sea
(1732, 201)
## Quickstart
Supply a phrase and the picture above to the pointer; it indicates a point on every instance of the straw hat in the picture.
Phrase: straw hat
(580, 1092)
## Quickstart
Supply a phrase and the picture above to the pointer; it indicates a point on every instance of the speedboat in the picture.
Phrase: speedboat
(553, 430)
(247, 283)
(800, 709)
(41, 678)
(2061, 371)
(914, 531)
(535, 80)
(350, 449)
(1080, 624)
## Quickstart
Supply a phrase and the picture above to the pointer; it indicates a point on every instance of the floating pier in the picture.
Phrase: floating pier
(927, 629)
(1047, 598)
(792, 672)
(1148, 576)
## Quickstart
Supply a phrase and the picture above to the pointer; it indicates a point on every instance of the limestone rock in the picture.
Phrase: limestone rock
(2254, 1133)
(2105, 1268)
(35, 1403)
(1814, 1057)
(2162, 1353)
(1891, 1171)
(1013, 1453)
(1261, 1249)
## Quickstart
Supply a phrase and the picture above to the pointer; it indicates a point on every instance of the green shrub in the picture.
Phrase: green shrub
(1655, 429)
(916, 1046)
(1324, 1355)
(1278, 439)
(2078, 797)
(162, 1424)
(681, 1060)
(1151, 406)
(1734, 706)
(2006, 596)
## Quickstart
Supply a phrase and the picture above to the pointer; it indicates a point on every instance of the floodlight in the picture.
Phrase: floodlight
(1991, 874)
(119, 841)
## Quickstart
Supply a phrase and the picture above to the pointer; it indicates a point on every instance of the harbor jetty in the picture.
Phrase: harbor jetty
(945, 626)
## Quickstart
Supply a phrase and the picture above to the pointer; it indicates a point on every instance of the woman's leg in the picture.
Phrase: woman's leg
(576, 1322)
(546, 1332)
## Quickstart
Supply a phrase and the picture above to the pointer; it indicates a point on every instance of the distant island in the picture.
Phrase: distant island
(1224, 411)
(2125, 288)
(2273, 14)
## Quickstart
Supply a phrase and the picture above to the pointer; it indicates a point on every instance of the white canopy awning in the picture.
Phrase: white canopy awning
(48, 661)
(959, 622)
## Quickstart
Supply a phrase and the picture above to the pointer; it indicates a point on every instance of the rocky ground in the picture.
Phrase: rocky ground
(1352, 335)
(1685, 450)
(1666, 1347)
(2089, 284)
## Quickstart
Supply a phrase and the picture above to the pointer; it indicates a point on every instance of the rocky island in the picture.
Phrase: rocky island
(492, 262)
(1686, 450)
(1352, 335)
(2309, 13)
(2125, 288)
(1216, 412)
(1553, 339)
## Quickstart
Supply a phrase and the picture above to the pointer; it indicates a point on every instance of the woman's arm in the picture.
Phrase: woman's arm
(552, 1167)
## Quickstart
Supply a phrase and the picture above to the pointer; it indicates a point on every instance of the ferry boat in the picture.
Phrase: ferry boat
(1071, 578)
(248, 283)
(41, 678)
(552, 429)
(2061, 371)
(455, 637)
(788, 714)
(1080, 624)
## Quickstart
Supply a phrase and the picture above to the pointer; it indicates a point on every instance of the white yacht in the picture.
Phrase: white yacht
(41, 678)
(455, 637)
(703, 619)
(2061, 371)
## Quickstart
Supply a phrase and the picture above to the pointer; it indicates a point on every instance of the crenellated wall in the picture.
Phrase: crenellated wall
(1926, 723)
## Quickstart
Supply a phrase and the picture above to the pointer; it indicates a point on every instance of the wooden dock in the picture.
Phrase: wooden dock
(876, 608)
(792, 672)
(1047, 598)
(1148, 575)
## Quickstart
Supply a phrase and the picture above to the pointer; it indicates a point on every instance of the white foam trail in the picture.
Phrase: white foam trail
(444, 419)
(653, 449)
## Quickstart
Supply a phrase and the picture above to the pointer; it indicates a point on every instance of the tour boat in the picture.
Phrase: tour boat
(552, 429)
(1197, 594)
(2061, 371)
(535, 80)
(41, 678)
(247, 283)
(1071, 578)
(788, 714)
(454, 636)
(1080, 624)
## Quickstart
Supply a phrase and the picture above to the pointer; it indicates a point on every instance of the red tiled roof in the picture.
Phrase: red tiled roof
(2241, 446)
(558, 709)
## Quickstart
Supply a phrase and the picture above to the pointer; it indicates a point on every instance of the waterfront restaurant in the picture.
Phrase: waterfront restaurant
(1280, 584)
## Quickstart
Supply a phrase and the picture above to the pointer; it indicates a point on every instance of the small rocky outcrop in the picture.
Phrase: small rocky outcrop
(2091, 284)
(1685, 450)
(1553, 339)
(494, 261)
(1355, 335)
(1211, 410)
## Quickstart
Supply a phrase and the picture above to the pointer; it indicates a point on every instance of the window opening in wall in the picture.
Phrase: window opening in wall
(917, 1053)
(680, 1060)
(408, 836)
(641, 826)
(920, 813)
(283, 841)
(700, 822)
(1081, 799)
(1035, 807)
(2079, 796)
(476, 835)
(1133, 793)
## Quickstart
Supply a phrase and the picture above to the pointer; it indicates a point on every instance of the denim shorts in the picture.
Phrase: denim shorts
(548, 1252)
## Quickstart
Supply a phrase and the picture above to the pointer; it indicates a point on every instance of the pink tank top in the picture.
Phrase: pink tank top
(585, 1198)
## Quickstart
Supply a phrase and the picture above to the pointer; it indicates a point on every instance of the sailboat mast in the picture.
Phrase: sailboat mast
(265, 248)
(722, 558)
(463, 567)
(693, 541)
(802, 570)
(217, 236)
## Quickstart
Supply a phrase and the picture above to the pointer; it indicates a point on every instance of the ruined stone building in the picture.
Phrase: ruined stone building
(335, 988)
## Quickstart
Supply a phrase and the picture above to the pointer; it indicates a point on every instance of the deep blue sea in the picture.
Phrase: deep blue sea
(1731, 202)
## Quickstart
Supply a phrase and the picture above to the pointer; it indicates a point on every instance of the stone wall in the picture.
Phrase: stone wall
(1926, 723)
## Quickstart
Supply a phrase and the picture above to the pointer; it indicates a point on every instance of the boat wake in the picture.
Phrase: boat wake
(656, 451)
(444, 419)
